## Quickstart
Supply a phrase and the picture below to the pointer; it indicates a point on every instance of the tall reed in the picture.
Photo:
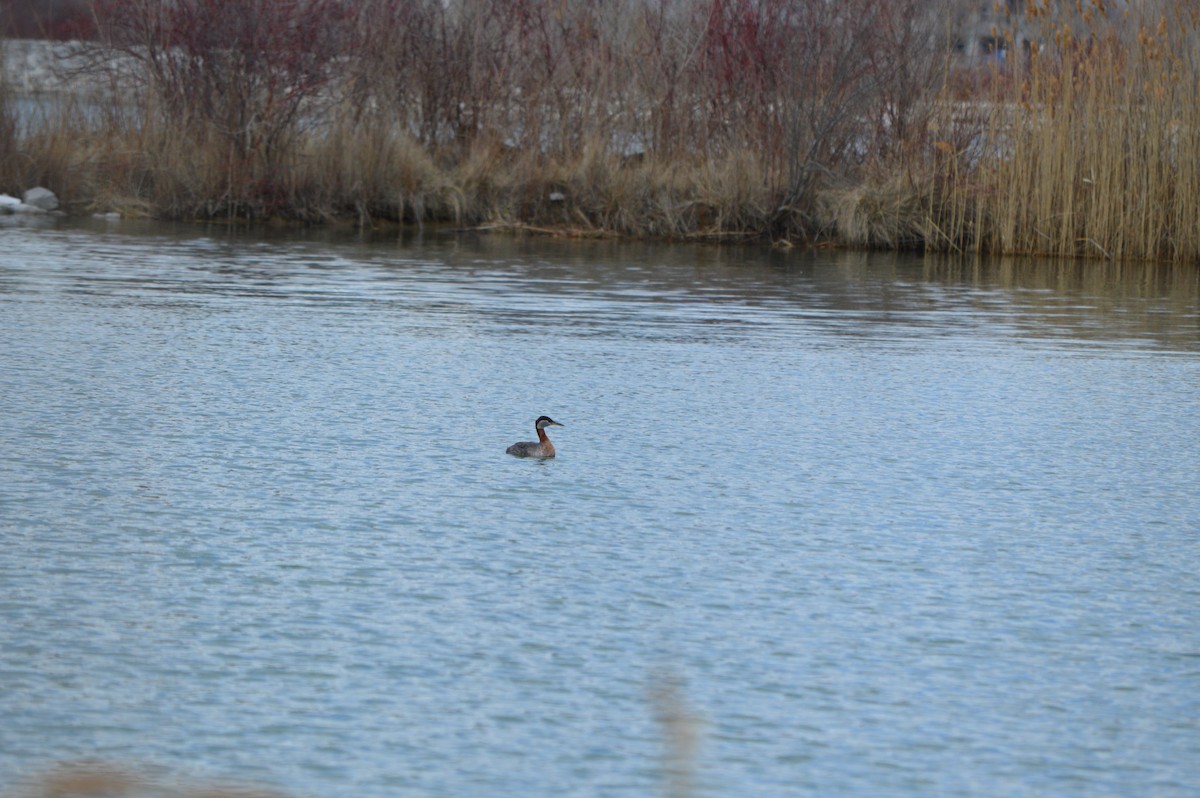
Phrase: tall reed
(1091, 147)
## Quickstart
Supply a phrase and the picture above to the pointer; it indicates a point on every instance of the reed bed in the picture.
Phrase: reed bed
(781, 119)
(1089, 148)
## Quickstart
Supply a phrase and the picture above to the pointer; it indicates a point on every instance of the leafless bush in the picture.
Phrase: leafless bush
(240, 73)
(792, 93)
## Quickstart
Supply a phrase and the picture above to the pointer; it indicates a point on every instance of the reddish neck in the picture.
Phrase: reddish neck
(542, 435)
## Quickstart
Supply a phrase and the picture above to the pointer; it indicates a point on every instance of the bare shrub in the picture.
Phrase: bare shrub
(714, 115)
(238, 72)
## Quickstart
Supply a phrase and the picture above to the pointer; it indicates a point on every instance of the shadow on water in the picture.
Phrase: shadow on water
(637, 289)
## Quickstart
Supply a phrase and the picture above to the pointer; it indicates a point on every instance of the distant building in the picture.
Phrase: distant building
(990, 29)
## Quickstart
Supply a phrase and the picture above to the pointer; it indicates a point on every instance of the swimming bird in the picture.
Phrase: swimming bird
(542, 447)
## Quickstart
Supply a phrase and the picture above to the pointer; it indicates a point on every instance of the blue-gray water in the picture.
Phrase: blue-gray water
(896, 527)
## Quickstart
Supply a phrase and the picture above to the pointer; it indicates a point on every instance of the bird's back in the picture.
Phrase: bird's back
(529, 449)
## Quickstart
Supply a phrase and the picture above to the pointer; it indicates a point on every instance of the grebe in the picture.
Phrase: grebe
(542, 447)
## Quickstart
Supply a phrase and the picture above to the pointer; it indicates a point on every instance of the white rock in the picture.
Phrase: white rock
(42, 198)
(13, 205)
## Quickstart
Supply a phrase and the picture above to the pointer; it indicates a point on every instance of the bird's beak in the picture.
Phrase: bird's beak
(555, 423)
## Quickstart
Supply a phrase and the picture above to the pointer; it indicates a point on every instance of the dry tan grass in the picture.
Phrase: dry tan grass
(370, 172)
(100, 780)
(1094, 151)
(892, 213)
(681, 730)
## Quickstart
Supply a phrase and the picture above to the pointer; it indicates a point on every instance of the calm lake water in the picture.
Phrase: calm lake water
(891, 526)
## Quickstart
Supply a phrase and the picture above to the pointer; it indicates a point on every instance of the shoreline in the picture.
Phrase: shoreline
(1000, 161)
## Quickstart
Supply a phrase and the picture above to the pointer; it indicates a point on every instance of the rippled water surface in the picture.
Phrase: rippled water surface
(893, 526)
